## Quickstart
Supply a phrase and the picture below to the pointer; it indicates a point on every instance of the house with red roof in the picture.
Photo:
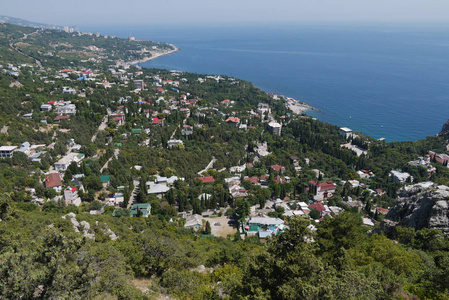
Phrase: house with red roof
(323, 210)
(53, 181)
(253, 180)
(325, 189)
(233, 121)
(263, 180)
(206, 179)
(382, 211)
(278, 168)
(57, 119)
(157, 121)
(225, 102)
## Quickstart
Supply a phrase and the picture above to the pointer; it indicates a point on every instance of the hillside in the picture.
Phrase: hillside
(119, 182)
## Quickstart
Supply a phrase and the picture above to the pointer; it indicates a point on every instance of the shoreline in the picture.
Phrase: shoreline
(154, 55)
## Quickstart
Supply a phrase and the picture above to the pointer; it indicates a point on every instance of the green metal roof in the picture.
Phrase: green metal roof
(105, 178)
(136, 130)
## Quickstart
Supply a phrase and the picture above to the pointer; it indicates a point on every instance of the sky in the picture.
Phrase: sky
(93, 12)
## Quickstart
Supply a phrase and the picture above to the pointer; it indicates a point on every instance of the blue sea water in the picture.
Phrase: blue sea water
(388, 81)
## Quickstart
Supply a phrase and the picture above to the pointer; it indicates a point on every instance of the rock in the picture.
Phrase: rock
(85, 225)
(423, 205)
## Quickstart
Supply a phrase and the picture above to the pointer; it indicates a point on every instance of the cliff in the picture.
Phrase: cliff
(445, 129)
(423, 205)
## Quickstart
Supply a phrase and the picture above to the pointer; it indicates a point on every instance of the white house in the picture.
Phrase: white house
(7, 151)
(65, 162)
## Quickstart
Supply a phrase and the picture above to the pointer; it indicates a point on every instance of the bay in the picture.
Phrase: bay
(385, 80)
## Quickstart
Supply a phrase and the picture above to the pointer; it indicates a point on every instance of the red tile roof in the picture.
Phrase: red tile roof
(278, 168)
(232, 120)
(253, 179)
(157, 121)
(52, 180)
(207, 179)
(58, 118)
(318, 206)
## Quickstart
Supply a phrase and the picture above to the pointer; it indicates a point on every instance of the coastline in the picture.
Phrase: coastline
(154, 55)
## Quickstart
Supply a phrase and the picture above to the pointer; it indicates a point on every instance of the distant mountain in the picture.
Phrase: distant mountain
(21, 22)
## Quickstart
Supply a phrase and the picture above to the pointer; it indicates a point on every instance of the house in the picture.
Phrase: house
(345, 132)
(57, 119)
(7, 151)
(66, 109)
(265, 222)
(320, 208)
(275, 128)
(173, 143)
(187, 130)
(325, 189)
(207, 179)
(64, 163)
(194, 222)
(53, 181)
(278, 168)
(105, 180)
(441, 158)
(68, 90)
(161, 185)
(71, 196)
(157, 121)
(382, 211)
(225, 102)
(253, 180)
(233, 121)
(144, 208)
(46, 107)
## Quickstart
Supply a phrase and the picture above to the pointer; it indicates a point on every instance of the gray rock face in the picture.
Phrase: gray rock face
(423, 205)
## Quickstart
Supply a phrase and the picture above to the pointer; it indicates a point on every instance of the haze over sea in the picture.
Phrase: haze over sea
(388, 81)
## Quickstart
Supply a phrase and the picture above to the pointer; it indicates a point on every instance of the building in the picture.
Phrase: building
(161, 185)
(144, 208)
(345, 132)
(278, 168)
(66, 109)
(233, 121)
(7, 151)
(71, 196)
(65, 162)
(274, 128)
(139, 84)
(207, 179)
(194, 222)
(325, 189)
(173, 143)
(53, 181)
(46, 107)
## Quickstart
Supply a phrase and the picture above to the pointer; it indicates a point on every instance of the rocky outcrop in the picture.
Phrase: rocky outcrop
(85, 228)
(423, 205)
(445, 129)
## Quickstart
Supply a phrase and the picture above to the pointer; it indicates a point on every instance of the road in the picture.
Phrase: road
(134, 193)
(116, 152)
(11, 45)
(209, 166)
(102, 127)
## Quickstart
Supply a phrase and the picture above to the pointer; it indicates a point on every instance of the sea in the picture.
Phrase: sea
(385, 80)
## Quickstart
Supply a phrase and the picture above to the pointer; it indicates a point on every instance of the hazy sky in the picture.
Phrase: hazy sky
(79, 12)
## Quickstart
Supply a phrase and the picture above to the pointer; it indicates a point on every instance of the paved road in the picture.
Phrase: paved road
(116, 152)
(102, 126)
(209, 166)
(134, 193)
